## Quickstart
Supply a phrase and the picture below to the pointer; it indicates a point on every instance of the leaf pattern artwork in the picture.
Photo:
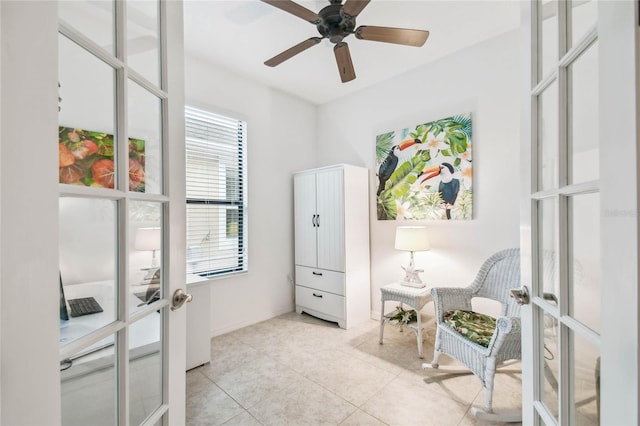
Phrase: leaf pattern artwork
(87, 158)
(426, 172)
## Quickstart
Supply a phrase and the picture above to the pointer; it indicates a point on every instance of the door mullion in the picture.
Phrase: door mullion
(88, 44)
(122, 175)
(534, 393)
(564, 345)
(123, 312)
(165, 260)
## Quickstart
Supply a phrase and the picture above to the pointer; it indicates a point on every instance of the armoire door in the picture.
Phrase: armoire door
(305, 219)
(330, 219)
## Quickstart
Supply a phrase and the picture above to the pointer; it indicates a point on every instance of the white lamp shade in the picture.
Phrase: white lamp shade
(148, 239)
(412, 238)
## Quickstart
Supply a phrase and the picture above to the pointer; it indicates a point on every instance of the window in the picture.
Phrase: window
(216, 193)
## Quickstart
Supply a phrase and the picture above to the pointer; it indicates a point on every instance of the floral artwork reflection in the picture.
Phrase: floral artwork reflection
(426, 172)
(87, 158)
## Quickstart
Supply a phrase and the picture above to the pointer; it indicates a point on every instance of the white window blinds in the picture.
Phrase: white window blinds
(216, 193)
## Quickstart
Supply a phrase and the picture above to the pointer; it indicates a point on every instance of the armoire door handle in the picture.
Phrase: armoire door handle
(318, 220)
(313, 220)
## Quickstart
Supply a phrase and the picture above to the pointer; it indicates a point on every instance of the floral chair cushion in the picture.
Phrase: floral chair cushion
(474, 326)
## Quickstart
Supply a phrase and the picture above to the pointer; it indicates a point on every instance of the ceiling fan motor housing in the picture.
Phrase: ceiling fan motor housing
(334, 24)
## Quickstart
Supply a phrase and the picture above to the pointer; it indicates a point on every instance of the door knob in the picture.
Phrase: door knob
(520, 294)
(180, 298)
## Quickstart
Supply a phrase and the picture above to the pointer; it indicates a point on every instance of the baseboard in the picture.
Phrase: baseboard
(375, 315)
(247, 322)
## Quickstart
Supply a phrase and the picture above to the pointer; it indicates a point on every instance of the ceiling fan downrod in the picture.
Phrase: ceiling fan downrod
(334, 24)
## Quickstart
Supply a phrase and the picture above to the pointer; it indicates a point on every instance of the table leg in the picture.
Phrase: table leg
(381, 319)
(419, 334)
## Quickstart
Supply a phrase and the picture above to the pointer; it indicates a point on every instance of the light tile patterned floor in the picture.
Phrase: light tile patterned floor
(298, 370)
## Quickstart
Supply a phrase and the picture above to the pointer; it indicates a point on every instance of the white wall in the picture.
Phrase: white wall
(284, 137)
(483, 80)
(281, 140)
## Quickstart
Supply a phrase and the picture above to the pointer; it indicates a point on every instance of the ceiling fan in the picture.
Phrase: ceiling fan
(336, 22)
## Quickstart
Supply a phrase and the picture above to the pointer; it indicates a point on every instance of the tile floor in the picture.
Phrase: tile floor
(298, 370)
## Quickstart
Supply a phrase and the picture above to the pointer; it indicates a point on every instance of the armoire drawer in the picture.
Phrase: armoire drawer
(320, 301)
(329, 281)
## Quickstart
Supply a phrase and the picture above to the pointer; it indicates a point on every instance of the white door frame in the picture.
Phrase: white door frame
(620, 100)
(29, 202)
(175, 218)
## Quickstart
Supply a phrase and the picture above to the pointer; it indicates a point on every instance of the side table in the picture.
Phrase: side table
(416, 298)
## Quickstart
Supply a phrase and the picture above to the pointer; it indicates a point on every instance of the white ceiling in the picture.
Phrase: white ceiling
(239, 35)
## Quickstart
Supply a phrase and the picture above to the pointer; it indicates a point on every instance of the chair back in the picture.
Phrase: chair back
(499, 274)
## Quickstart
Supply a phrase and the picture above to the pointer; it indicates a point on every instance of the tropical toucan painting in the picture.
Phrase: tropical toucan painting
(425, 172)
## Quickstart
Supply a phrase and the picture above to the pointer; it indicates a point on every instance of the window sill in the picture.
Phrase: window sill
(193, 278)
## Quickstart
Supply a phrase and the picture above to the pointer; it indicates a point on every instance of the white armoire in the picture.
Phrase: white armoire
(332, 244)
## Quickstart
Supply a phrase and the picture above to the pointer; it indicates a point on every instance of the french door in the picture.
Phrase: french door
(119, 211)
(579, 213)
(105, 79)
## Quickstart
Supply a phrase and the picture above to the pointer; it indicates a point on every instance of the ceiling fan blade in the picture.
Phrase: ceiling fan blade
(343, 58)
(295, 9)
(281, 57)
(392, 35)
(354, 7)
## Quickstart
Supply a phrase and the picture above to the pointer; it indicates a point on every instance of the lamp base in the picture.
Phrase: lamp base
(412, 279)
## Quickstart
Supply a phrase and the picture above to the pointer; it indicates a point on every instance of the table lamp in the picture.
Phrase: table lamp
(149, 239)
(412, 239)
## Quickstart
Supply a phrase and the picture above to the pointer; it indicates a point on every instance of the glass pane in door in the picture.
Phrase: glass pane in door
(143, 38)
(583, 14)
(550, 374)
(145, 366)
(145, 140)
(548, 151)
(584, 153)
(94, 19)
(547, 37)
(86, 117)
(88, 386)
(586, 378)
(548, 274)
(549, 288)
(145, 253)
(584, 256)
(87, 265)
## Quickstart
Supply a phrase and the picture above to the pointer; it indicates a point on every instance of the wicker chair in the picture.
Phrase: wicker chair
(498, 274)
